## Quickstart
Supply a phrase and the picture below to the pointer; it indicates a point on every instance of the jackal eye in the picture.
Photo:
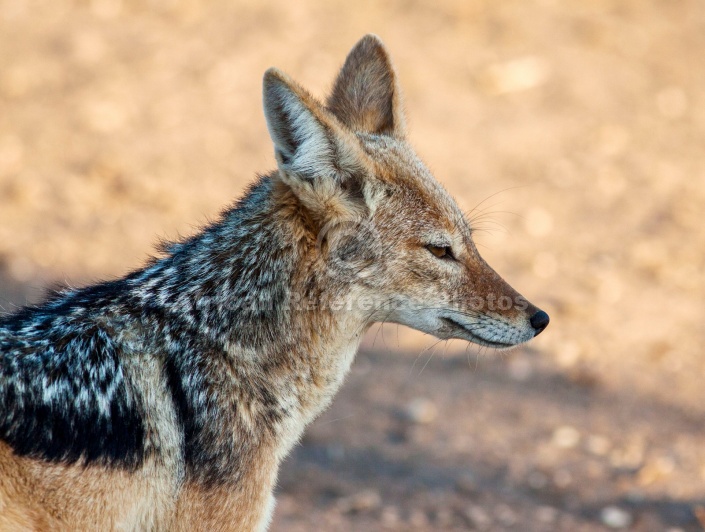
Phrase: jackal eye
(442, 252)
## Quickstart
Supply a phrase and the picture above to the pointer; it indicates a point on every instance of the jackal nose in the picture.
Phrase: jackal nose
(539, 321)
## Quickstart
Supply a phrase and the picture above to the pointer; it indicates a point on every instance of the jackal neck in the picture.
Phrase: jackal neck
(258, 336)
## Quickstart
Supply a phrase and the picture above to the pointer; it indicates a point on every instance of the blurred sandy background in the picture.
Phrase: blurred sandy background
(582, 122)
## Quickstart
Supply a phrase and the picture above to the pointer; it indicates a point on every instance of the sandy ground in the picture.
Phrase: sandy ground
(579, 124)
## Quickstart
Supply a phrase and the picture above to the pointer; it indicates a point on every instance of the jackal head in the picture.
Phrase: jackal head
(385, 227)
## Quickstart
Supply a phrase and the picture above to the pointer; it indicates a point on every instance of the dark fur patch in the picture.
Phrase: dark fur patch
(63, 393)
(209, 393)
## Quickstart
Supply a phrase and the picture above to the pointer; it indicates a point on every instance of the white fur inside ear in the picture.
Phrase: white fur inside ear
(316, 156)
(300, 139)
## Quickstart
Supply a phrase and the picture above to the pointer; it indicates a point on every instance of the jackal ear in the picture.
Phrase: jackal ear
(318, 159)
(366, 95)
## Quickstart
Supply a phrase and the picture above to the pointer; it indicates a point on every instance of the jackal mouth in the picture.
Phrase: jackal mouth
(474, 338)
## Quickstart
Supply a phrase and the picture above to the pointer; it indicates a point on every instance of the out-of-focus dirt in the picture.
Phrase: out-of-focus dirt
(580, 124)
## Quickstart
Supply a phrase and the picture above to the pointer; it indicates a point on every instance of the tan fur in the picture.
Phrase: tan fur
(224, 508)
(40, 496)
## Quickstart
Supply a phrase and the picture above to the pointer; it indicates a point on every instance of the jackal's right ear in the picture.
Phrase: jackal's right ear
(318, 159)
(366, 96)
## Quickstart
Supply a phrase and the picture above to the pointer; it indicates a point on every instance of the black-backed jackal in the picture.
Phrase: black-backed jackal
(167, 399)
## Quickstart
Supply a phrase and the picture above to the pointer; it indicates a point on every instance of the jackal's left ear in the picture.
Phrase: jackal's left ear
(319, 160)
(366, 96)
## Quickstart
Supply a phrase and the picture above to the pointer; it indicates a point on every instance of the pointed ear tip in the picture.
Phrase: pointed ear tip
(274, 76)
(369, 47)
(372, 38)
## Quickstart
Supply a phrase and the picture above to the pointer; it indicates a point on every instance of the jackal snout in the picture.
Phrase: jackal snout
(458, 295)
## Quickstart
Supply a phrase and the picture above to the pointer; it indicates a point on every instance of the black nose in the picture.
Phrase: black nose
(539, 321)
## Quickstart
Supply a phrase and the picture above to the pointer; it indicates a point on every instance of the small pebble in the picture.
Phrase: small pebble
(565, 437)
(421, 410)
(518, 74)
(615, 517)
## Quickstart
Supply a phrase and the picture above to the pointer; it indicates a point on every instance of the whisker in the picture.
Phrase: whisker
(411, 369)
(337, 419)
(433, 352)
(495, 194)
